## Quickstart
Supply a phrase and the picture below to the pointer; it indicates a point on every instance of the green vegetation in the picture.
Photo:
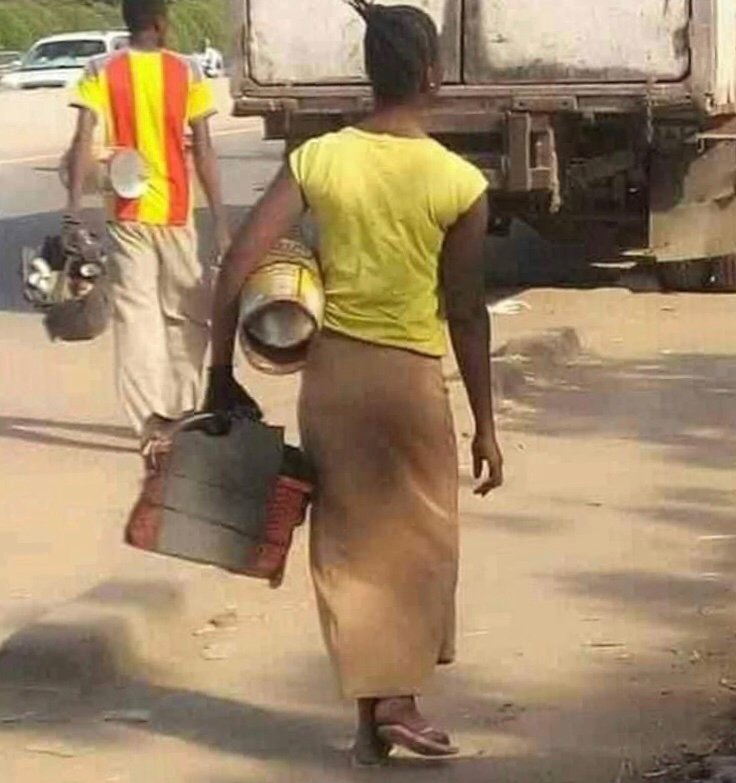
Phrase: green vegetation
(24, 21)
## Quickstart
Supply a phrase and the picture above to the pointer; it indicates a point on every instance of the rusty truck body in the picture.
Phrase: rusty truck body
(610, 122)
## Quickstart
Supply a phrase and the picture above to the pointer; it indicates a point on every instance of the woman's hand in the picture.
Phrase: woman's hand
(470, 329)
(226, 395)
(487, 459)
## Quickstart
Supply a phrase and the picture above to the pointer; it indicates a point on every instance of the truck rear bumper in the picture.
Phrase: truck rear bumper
(518, 154)
(254, 100)
(568, 164)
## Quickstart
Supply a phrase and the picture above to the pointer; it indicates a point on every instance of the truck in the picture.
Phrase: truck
(610, 123)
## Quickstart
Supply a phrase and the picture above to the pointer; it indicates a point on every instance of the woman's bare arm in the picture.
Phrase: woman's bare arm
(270, 220)
(464, 290)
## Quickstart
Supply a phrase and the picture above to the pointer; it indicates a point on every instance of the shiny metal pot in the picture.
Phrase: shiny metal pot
(281, 310)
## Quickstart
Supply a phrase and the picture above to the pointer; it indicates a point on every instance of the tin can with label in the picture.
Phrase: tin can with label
(281, 310)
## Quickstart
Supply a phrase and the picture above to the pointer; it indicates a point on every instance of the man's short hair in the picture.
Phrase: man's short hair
(141, 15)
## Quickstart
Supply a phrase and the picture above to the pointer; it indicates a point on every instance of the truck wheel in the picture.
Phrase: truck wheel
(723, 276)
(685, 275)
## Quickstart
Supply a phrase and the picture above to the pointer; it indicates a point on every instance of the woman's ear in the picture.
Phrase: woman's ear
(434, 79)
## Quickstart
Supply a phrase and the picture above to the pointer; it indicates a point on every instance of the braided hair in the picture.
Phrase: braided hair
(401, 45)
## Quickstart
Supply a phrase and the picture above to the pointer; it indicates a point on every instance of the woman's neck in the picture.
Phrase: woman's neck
(395, 120)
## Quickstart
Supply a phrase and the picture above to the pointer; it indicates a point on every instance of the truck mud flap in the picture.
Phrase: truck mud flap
(693, 200)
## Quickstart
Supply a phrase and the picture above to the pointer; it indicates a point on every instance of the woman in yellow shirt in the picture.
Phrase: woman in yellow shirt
(402, 223)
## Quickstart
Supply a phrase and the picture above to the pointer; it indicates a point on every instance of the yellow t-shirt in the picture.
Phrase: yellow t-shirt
(146, 100)
(383, 205)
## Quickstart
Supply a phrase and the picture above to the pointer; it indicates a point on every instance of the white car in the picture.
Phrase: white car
(211, 62)
(9, 61)
(59, 61)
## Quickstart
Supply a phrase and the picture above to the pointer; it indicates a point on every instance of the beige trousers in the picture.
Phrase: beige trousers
(162, 307)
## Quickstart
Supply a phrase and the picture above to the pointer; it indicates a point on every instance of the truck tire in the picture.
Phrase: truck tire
(723, 276)
(685, 275)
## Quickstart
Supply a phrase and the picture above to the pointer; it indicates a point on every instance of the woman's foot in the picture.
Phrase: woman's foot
(399, 722)
(369, 749)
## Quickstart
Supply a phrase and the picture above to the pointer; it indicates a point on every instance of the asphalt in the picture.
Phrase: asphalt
(32, 199)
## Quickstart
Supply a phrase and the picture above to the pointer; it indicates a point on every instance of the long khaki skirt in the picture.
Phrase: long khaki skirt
(376, 423)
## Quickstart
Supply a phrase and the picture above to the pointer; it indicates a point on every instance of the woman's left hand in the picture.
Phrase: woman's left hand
(487, 459)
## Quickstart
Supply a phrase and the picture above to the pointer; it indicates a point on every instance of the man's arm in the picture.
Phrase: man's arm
(80, 159)
(205, 163)
(470, 331)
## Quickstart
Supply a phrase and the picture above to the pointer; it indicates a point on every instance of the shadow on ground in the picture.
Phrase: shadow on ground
(682, 403)
(76, 434)
(62, 680)
(313, 741)
(682, 406)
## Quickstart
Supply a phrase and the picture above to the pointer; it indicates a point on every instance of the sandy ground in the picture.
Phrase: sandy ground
(596, 599)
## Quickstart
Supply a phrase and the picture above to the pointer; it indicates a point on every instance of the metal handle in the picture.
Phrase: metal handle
(192, 422)
(197, 420)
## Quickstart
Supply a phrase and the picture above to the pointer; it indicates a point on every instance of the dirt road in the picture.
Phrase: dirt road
(597, 608)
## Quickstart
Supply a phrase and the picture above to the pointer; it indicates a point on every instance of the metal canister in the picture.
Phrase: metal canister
(281, 310)
(120, 171)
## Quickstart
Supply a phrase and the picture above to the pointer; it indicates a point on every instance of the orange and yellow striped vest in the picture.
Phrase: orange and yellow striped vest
(146, 101)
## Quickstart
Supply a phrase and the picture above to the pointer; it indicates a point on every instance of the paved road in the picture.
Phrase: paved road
(31, 197)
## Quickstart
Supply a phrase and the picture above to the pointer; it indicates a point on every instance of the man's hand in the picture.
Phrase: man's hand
(72, 230)
(206, 165)
(80, 159)
(488, 460)
(222, 239)
(226, 395)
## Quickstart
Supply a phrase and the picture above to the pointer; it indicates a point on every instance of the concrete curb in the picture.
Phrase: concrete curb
(554, 347)
(520, 359)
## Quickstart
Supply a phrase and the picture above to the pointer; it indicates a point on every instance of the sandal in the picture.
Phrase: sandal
(418, 742)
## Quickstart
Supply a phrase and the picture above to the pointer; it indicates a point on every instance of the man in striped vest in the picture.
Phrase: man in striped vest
(146, 98)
